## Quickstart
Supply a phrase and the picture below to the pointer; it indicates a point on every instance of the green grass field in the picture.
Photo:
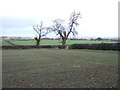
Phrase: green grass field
(53, 42)
(52, 68)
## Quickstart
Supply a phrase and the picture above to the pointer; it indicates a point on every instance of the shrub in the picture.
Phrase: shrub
(102, 46)
(78, 46)
(61, 46)
(48, 46)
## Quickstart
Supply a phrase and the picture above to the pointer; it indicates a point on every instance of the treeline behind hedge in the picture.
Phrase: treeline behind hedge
(102, 46)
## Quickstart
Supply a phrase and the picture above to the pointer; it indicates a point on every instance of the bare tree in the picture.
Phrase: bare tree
(61, 30)
(41, 31)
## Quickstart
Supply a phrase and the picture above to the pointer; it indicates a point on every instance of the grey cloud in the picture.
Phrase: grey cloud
(10, 22)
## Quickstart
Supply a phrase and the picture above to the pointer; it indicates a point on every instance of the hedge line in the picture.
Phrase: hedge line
(29, 47)
(102, 46)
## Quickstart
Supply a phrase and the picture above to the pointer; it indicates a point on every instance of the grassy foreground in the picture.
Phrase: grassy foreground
(45, 68)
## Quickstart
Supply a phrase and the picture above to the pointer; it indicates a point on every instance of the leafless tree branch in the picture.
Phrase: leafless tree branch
(59, 29)
(41, 31)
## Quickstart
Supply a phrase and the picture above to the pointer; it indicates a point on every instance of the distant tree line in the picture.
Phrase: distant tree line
(46, 38)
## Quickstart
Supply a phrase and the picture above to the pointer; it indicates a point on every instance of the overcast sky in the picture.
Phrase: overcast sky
(99, 17)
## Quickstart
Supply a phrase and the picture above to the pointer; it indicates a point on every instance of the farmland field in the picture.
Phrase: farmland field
(52, 42)
(45, 68)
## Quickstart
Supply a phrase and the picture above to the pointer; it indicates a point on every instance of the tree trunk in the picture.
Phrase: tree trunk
(64, 41)
(37, 43)
(38, 40)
